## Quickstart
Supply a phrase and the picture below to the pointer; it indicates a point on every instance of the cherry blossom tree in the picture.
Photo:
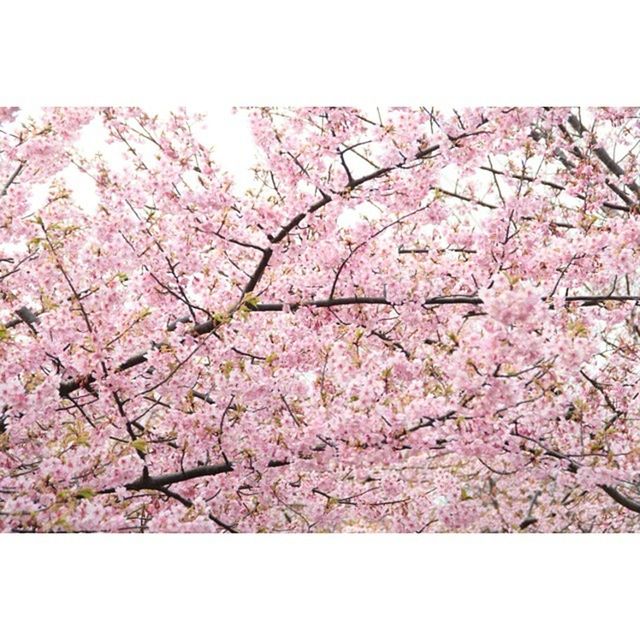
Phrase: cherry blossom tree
(414, 319)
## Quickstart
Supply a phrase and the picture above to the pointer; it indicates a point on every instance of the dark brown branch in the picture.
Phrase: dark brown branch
(553, 185)
(290, 226)
(188, 503)
(335, 302)
(155, 482)
(258, 273)
(573, 467)
(620, 498)
(11, 179)
(603, 155)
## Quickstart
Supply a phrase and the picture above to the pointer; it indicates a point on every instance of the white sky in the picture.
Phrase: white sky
(227, 132)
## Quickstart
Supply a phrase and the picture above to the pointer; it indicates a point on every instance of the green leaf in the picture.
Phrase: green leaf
(251, 300)
(140, 445)
(465, 494)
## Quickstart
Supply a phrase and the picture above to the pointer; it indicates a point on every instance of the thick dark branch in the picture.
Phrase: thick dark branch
(437, 300)
(459, 196)
(378, 173)
(188, 503)
(281, 235)
(594, 300)
(620, 498)
(573, 467)
(385, 170)
(606, 160)
(258, 273)
(155, 482)
(11, 179)
(453, 300)
(553, 185)
(603, 155)
(290, 226)
(331, 302)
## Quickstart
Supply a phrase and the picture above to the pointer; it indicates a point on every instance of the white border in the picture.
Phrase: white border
(318, 52)
(331, 586)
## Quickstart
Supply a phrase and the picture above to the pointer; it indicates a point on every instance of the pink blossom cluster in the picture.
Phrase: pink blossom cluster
(415, 319)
